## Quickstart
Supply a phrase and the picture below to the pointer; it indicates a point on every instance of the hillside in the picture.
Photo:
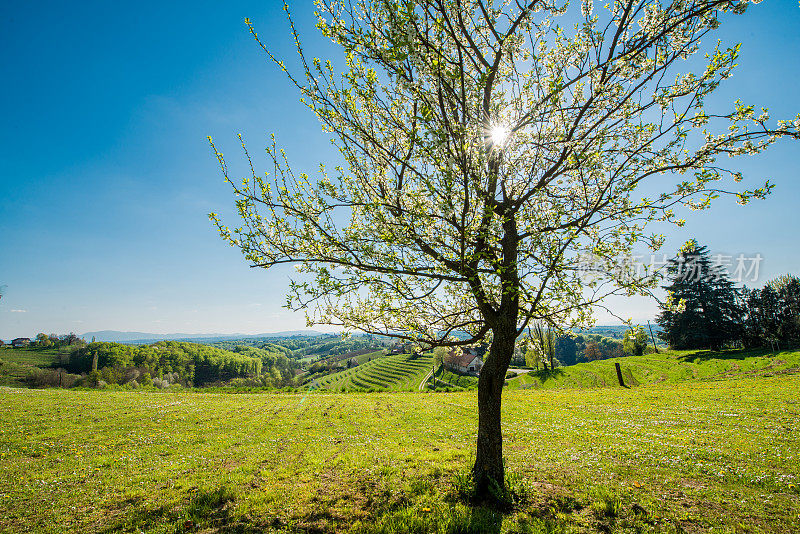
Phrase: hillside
(396, 372)
(670, 367)
(149, 337)
(694, 456)
(17, 365)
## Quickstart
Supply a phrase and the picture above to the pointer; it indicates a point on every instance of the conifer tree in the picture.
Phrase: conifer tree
(773, 314)
(702, 310)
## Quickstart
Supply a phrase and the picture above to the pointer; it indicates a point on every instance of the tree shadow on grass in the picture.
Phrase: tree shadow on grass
(484, 520)
(730, 354)
(545, 374)
(205, 509)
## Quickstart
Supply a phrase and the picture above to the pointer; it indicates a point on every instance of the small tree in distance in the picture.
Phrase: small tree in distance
(635, 341)
(484, 151)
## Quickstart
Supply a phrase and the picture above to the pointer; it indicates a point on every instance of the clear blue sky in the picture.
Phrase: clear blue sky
(106, 178)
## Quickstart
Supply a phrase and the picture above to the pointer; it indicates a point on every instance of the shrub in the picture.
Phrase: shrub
(52, 378)
(160, 383)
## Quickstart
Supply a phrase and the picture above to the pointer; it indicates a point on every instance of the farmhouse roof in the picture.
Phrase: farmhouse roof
(460, 360)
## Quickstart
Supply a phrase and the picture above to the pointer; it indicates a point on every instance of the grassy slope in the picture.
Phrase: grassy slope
(361, 358)
(448, 379)
(688, 457)
(669, 367)
(395, 372)
(16, 364)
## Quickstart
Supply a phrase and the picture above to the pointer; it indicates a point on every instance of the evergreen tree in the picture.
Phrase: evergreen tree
(773, 314)
(708, 315)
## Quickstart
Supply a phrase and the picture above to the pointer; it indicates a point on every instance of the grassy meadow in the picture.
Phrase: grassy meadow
(666, 367)
(702, 455)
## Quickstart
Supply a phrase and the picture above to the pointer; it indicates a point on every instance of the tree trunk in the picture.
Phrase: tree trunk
(489, 456)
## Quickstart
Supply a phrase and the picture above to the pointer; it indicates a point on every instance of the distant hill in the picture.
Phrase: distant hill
(617, 331)
(148, 337)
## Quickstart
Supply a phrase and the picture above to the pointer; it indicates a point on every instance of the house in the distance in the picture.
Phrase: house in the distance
(468, 362)
(20, 342)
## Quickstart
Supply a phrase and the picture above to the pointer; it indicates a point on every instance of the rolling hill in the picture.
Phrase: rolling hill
(670, 367)
(396, 372)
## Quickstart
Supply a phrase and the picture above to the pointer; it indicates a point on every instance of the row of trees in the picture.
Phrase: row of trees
(56, 341)
(545, 349)
(705, 310)
(186, 363)
(772, 314)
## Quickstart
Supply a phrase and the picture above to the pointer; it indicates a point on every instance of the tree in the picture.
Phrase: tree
(71, 339)
(592, 351)
(566, 350)
(533, 357)
(773, 313)
(439, 356)
(635, 341)
(42, 340)
(709, 315)
(544, 343)
(485, 151)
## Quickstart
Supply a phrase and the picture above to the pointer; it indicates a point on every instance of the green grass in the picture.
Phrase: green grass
(364, 358)
(667, 367)
(17, 364)
(34, 356)
(718, 455)
(395, 372)
(448, 379)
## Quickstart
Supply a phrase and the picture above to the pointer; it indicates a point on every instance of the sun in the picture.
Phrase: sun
(498, 135)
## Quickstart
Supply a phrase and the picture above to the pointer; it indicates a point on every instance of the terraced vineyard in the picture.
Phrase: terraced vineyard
(397, 372)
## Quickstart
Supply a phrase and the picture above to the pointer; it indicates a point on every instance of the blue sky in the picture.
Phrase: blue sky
(106, 178)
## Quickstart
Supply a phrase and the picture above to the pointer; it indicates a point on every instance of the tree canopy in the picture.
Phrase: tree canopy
(773, 314)
(486, 148)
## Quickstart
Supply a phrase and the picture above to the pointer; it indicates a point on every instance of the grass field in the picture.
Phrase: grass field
(697, 456)
(667, 367)
(448, 379)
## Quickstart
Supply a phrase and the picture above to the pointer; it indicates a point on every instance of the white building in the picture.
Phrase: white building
(466, 362)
